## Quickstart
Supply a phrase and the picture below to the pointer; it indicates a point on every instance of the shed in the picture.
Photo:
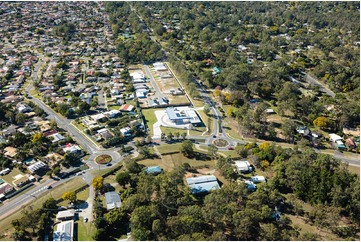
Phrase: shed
(203, 184)
(64, 231)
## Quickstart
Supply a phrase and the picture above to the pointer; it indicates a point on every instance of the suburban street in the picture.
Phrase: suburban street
(158, 92)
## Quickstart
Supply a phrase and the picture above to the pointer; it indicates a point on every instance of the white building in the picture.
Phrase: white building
(64, 231)
(243, 166)
(183, 115)
(159, 66)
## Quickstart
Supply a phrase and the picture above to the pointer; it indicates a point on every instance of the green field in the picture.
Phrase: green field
(85, 230)
(167, 130)
(169, 148)
(150, 118)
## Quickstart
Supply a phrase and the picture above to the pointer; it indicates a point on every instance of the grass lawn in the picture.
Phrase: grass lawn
(103, 159)
(85, 230)
(9, 177)
(178, 99)
(79, 126)
(179, 159)
(157, 162)
(150, 118)
(168, 148)
(168, 130)
(83, 195)
(114, 107)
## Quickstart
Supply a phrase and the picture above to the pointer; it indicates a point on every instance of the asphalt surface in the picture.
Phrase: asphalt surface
(158, 92)
(314, 82)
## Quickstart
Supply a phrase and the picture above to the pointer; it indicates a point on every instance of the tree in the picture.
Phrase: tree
(187, 148)
(20, 118)
(207, 109)
(70, 196)
(162, 136)
(212, 151)
(145, 152)
(170, 136)
(133, 167)
(98, 183)
(37, 137)
(123, 178)
(289, 130)
(322, 122)
(184, 135)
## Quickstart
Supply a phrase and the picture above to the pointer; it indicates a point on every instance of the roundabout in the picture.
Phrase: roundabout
(103, 159)
(221, 143)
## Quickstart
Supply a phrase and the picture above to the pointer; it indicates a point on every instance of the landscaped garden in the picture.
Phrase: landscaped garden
(103, 159)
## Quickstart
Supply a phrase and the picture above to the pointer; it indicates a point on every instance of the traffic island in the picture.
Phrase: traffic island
(221, 143)
(103, 159)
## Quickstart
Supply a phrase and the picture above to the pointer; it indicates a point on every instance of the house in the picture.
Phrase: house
(11, 130)
(126, 131)
(105, 133)
(36, 167)
(72, 149)
(202, 184)
(10, 152)
(56, 137)
(112, 200)
(153, 170)
(183, 115)
(112, 113)
(141, 93)
(21, 180)
(5, 189)
(65, 215)
(243, 166)
(5, 171)
(335, 137)
(126, 108)
(159, 66)
(258, 179)
(23, 108)
(64, 231)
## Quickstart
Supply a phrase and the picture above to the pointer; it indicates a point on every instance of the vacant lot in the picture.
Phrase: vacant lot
(85, 230)
(150, 119)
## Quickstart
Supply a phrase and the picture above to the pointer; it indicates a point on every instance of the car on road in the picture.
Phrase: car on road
(214, 136)
(109, 164)
(78, 210)
(85, 219)
(49, 187)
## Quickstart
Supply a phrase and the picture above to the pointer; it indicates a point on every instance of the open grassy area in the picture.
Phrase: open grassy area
(179, 159)
(168, 130)
(85, 230)
(150, 118)
(80, 126)
(9, 177)
(169, 148)
(157, 162)
(114, 107)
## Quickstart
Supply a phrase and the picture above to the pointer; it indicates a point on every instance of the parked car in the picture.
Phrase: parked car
(85, 219)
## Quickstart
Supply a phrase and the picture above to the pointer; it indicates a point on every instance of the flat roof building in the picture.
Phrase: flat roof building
(183, 115)
(243, 166)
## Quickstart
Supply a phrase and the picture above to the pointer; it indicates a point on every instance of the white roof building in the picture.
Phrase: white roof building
(335, 137)
(36, 166)
(243, 166)
(64, 231)
(183, 115)
(258, 179)
(159, 66)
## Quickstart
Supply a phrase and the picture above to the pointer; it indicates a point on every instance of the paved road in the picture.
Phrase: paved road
(314, 82)
(158, 92)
